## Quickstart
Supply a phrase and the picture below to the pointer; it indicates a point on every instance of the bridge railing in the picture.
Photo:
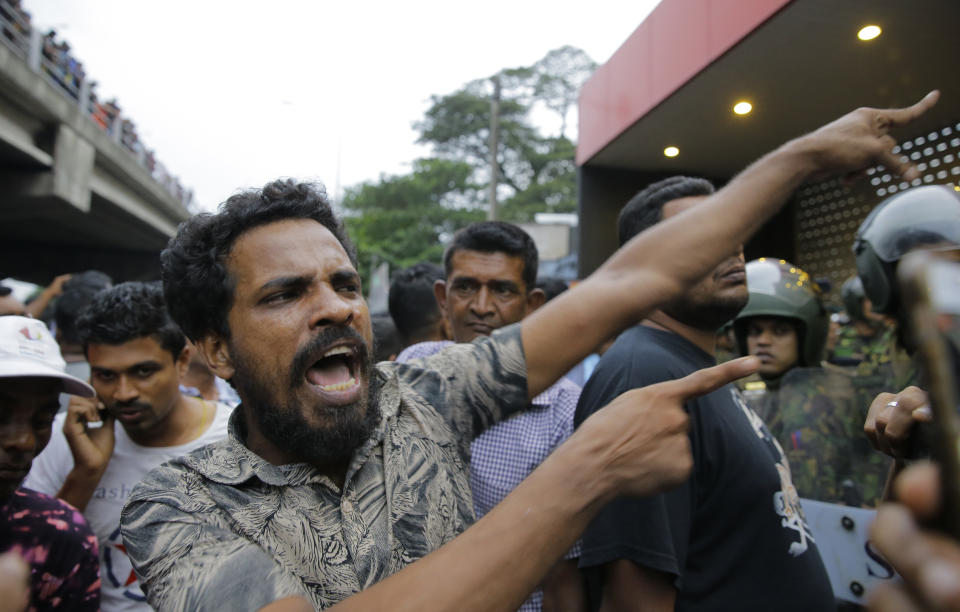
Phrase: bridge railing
(14, 30)
(56, 65)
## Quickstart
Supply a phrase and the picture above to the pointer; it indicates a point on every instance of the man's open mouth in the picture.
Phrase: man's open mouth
(336, 370)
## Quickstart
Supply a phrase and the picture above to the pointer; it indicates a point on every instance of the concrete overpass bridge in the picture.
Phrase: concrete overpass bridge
(73, 195)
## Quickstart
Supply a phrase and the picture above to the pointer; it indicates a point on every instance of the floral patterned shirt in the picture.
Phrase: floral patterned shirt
(223, 529)
(61, 550)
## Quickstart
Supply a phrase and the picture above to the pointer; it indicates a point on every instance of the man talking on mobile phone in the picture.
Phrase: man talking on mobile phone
(137, 356)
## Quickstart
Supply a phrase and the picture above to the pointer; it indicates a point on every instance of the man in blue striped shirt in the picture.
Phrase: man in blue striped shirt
(491, 271)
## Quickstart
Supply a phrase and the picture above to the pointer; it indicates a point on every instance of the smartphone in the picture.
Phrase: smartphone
(930, 286)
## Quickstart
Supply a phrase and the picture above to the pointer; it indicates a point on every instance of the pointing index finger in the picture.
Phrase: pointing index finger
(895, 117)
(710, 379)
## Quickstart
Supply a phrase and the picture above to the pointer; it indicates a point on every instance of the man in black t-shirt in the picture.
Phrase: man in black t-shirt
(732, 537)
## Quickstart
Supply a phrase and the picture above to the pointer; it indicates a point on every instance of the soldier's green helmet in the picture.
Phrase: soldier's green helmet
(780, 289)
(923, 216)
(852, 294)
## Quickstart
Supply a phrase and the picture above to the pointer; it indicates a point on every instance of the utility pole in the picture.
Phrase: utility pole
(494, 142)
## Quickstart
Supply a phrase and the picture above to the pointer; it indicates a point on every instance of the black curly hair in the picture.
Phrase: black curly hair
(411, 302)
(196, 282)
(496, 237)
(126, 312)
(645, 209)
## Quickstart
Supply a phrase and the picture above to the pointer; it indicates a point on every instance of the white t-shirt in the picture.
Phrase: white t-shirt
(120, 590)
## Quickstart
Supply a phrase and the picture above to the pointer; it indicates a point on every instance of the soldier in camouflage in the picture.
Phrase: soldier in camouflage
(815, 413)
(784, 324)
(819, 424)
(869, 345)
(926, 217)
(866, 334)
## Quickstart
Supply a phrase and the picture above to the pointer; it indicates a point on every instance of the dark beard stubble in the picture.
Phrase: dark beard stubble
(708, 313)
(346, 427)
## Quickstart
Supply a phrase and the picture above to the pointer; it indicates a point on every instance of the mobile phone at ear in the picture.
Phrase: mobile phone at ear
(930, 286)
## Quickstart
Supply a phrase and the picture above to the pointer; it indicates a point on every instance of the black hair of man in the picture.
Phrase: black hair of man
(411, 302)
(386, 340)
(551, 286)
(645, 209)
(196, 282)
(67, 309)
(127, 312)
(496, 237)
(5, 291)
(90, 280)
(77, 294)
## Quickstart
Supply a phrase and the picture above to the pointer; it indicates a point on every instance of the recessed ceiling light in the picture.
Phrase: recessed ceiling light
(869, 32)
(671, 151)
(742, 107)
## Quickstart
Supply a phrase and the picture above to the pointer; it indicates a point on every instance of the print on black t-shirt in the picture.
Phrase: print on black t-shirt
(786, 502)
(732, 536)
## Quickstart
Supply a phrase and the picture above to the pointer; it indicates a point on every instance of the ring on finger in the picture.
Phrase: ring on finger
(893, 403)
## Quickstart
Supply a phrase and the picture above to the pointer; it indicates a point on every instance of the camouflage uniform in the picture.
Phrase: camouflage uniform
(888, 362)
(817, 413)
(818, 417)
(851, 348)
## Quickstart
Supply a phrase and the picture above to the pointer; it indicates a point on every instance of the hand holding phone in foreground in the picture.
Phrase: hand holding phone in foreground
(929, 562)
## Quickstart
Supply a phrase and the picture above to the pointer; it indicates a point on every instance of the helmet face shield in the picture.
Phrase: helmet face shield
(920, 218)
(853, 295)
(923, 216)
(877, 277)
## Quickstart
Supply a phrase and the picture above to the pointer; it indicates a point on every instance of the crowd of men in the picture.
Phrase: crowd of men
(245, 435)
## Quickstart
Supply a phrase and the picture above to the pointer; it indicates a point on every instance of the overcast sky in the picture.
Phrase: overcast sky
(232, 94)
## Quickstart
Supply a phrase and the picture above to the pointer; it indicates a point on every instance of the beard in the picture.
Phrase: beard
(705, 312)
(343, 428)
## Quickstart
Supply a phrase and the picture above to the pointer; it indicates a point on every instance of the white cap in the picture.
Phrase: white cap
(27, 348)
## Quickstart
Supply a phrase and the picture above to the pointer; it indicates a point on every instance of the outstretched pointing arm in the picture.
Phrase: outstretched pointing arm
(636, 445)
(663, 261)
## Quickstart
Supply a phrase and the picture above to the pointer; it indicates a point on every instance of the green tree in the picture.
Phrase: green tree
(536, 173)
(403, 219)
(553, 186)
(557, 79)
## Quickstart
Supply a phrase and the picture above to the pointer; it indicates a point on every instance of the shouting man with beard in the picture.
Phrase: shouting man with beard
(339, 476)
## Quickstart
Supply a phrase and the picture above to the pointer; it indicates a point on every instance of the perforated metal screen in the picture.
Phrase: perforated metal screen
(828, 213)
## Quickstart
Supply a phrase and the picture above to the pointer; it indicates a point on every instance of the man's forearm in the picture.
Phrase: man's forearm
(36, 306)
(79, 487)
(500, 560)
(681, 250)
(663, 261)
(660, 263)
(636, 445)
